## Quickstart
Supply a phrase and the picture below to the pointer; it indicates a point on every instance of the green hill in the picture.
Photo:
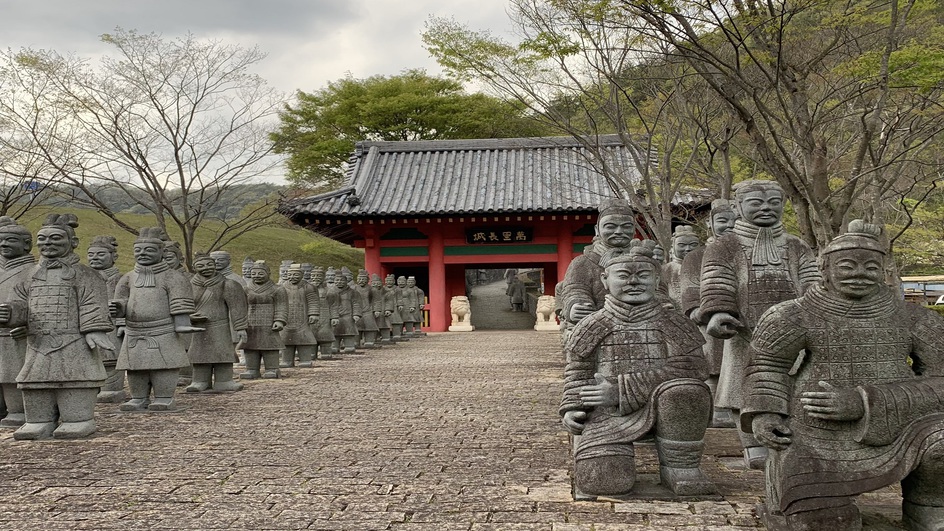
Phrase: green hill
(272, 244)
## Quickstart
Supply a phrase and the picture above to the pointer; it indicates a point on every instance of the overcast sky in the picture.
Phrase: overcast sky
(309, 42)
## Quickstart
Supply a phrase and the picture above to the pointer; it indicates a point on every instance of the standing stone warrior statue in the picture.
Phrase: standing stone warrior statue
(721, 220)
(378, 297)
(406, 305)
(334, 298)
(174, 258)
(156, 303)
(63, 307)
(221, 309)
(349, 313)
(247, 267)
(283, 269)
(268, 313)
(863, 409)
(392, 305)
(583, 291)
(744, 273)
(635, 368)
(224, 266)
(348, 276)
(367, 325)
(297, 336)
(420, 297)
(173, 255)
(516, 292)
(16, 264)
(102, 253)
(684, 241)
(327, 311)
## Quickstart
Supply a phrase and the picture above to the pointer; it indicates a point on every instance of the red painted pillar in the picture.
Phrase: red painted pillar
(372, 253)
(565, 253)
(439, 316)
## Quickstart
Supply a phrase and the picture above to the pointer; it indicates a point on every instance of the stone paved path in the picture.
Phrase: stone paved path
(452, 431)
(492, 311)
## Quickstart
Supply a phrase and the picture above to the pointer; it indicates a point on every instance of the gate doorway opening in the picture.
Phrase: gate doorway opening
(494, 300)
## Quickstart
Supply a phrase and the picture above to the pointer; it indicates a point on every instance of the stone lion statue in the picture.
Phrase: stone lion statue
(545, 308)
(461, 313)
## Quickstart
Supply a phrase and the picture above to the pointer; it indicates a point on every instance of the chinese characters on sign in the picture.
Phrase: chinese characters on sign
(489, 235)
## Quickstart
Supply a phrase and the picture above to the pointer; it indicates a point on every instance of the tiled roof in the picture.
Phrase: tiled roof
(470, 176)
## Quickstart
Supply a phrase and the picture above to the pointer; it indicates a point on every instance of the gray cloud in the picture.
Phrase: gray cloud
(309, 42)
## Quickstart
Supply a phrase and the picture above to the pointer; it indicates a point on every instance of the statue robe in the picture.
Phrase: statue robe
(737, 281)
(152, 296)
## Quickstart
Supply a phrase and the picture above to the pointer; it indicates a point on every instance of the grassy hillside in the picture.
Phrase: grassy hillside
(272, 244)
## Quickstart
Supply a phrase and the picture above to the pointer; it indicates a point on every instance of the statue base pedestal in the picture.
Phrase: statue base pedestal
(461, 328)
(773, 522)
(647, 487)
(546, 326)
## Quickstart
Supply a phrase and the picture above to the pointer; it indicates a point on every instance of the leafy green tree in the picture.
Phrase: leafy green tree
(319, 130)
(840, 102)
(582, 75)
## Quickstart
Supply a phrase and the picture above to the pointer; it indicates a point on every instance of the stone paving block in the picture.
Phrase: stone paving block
(679, 520)
(444, 526)
(654, 507)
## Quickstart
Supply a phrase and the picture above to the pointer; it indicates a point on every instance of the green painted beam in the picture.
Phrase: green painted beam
(468, 250)
(404, 251)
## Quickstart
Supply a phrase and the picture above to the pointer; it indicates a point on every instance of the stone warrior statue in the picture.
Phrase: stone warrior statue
(391, 304)
(297, 336)
(420, 297)
(16, 264)
(856, 416)
(349, 313)
(721, 220)
(516, 292)
(173, 255)
(268, 312)
(224, 266)
(327, 311)
(102, 253)
(684, 241)
(744, 273)
(582, 291)
(382, 311)
(247, 267)
(406, 305)
(635, 368)
(221, 309)
(156, 302)
(63, 307)
(367, 325)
